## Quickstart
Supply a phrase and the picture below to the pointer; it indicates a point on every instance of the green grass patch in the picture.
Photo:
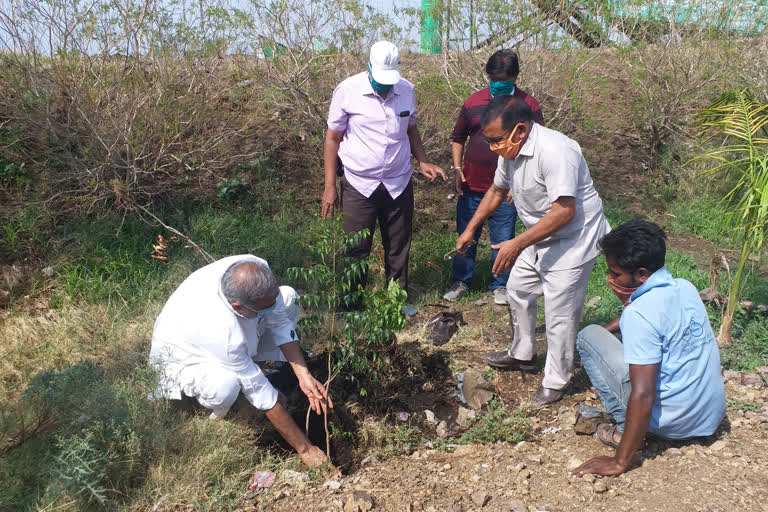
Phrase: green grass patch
(499, 423)
(701, 216)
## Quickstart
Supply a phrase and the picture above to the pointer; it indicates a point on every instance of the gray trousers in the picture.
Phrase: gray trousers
(564, 292)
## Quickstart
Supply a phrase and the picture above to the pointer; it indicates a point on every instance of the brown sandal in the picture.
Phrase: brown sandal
(606, 434)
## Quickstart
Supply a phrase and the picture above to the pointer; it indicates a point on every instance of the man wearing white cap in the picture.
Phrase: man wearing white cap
(372, 132)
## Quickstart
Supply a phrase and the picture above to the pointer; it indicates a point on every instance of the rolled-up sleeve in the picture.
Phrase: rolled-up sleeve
(337, 115)
(462, 127)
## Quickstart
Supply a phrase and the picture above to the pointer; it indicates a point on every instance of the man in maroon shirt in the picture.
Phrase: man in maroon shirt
(479, 168)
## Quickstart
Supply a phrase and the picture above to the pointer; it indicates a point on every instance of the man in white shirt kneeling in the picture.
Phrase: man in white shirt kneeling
(221, 320)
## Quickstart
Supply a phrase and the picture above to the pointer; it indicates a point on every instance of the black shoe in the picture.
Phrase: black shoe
(444, 325)
(545, 396)
(503, 361)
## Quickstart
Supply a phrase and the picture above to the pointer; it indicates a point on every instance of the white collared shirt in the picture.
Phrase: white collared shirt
(550, 165)
(198, 325)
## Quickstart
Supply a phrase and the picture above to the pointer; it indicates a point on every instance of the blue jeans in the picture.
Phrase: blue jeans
(501, 227)
(603, 357)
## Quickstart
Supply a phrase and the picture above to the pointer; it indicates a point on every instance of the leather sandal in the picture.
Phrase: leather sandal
(606, 434)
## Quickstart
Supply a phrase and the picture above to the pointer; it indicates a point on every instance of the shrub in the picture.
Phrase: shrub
(499, 424)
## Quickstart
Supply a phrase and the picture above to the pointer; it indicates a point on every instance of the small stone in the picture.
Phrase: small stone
(535, 458)
(751, 379)
(416, 454)
(360, 501)
(688, 450)
(431, 419)
(441, 429)
(465, 449)
(48, 271)
(478, 390)
(446, 467)
(589, 478)
(332, 484)
(450, 196)
(293, 478)
(368, 460)
(731, 376)
(480, 498)
(514, 506)
(567, 417)
(524, 474)
(588, 418)
(718, 445)
(600, 487)
(750, 492)
(674, 452)
(573, 463)
(402, 416)
(465, 417)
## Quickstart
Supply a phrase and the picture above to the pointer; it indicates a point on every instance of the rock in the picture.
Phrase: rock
(762, 370)
(674, 452)
(293, 478)
(431, 419)
(450, 196)
(465, 417)
(588, 418)
(514, 506)
(402, 415)
(688, 450)
(332, 484)
(732, 376)
(751, 379)
(718, 445)
(441, 429)
(480, 498)
(466, 449)
(368, 460)
(589, 478)
(535, 458)
(48, 271)
(360, 501)
(711, 295)
(5, 298)
(567, 417)
(600, 487)
(478, 390)
(524, 474)
(573, 463)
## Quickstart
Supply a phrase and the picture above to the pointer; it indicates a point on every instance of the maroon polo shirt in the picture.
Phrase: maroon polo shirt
(479, 161)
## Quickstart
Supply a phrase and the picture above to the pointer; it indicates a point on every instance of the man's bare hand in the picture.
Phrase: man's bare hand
(432, 171)
(607, 466)
(465, 240)
(507, 256)
(460, 179)
(329, 202)
(510, 199)
(316, 394)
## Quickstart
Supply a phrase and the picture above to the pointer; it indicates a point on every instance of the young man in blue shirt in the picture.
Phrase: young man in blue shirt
(664, 376)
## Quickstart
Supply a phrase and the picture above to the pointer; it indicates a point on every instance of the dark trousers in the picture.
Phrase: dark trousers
(395, 220)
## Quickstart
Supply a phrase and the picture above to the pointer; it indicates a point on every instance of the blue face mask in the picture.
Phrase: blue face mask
(260, 312)
(380, 88)
(498, 88)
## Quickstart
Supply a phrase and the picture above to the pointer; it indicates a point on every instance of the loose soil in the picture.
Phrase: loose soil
(723, 472)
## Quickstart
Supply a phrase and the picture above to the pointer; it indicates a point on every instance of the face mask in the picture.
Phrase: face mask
(622, 293)
(380, 88)
(505, 147)
(498, 88)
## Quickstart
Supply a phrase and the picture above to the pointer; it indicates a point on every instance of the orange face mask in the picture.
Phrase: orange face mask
(505, 147)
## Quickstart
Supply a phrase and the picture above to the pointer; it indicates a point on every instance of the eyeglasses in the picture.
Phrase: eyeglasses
(493, 140)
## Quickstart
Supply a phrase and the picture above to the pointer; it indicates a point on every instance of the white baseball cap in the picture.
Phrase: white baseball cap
(385, 63)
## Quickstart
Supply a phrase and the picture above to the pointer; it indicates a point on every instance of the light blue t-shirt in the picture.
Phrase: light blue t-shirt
(666, 323)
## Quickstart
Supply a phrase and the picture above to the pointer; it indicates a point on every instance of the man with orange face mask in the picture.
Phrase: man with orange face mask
(556, 200)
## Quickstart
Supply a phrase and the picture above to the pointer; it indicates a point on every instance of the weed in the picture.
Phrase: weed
(742, 405)
(498, 424)
(403, 438)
